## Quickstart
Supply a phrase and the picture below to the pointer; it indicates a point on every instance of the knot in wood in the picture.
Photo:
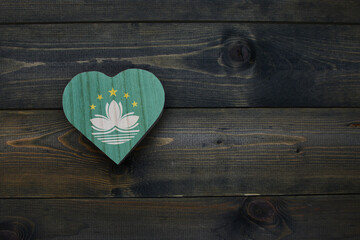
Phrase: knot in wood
(261, 211)
(16, 228)
(237, 53)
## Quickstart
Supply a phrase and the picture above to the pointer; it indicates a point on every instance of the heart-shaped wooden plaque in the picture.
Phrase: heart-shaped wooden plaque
(114, 113)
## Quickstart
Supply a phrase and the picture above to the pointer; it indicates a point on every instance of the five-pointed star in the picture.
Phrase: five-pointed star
(112, 92)
(99, 97)
(92, 107)
(134, 104)
(126, 95)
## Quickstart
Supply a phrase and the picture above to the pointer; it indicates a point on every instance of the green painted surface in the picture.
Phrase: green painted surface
(114, 112)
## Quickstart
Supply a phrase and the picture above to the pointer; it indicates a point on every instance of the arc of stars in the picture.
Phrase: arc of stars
(113, 93)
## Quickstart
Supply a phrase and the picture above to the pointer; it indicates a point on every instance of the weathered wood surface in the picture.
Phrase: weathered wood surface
(345, 11)
(310, 217)
(207, 53)
(191, 152)
(200, 65)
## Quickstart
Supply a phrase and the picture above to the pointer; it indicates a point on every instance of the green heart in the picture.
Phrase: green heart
(114, 113)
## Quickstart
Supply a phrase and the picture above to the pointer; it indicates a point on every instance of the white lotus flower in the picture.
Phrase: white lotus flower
(114, 119)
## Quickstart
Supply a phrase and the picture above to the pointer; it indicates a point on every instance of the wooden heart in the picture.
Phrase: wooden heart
(114, 113)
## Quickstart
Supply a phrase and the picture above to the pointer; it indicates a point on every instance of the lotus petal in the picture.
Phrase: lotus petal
(115, 111)
(107, 110)
(102, 123)
(128, 122)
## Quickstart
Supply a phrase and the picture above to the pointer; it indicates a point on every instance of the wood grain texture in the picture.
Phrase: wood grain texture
(55, 184)
(346, 11)
(311, 217)
(199, 65)
(190, 152)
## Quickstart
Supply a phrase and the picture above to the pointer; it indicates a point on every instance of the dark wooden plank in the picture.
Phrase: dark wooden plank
(200, 65)
(311, 217)
(191, 152)
(346, 11)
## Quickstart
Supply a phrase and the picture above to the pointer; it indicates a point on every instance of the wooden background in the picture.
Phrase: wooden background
(260, 138)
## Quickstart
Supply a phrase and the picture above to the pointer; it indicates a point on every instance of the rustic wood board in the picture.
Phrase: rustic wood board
(200, 65)
(346, 11)
(207, 53)
(190, 152)
(301, 217)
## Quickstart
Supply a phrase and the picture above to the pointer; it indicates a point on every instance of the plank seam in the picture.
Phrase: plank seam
(189, 197)
(181, 21)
